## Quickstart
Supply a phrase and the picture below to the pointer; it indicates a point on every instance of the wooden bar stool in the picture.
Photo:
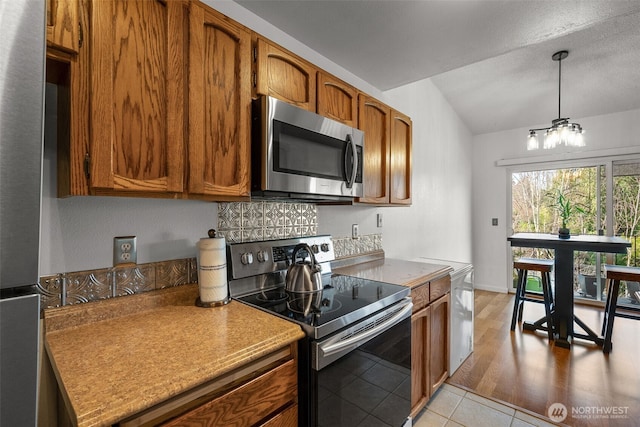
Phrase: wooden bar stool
(614, 274)
(544, 266)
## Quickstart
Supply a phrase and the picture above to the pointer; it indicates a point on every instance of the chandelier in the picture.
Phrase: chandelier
(561, 132)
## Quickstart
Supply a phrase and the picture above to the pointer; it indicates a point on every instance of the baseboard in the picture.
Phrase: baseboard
(490, 288)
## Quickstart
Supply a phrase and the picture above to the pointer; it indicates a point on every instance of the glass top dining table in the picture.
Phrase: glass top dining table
(563, 315)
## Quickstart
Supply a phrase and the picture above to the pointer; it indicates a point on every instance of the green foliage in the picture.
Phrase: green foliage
(565, 208)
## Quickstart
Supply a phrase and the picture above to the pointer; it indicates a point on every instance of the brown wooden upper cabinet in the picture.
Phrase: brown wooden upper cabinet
(283, 75)
(63, 29)
(219, 104)
(387, 158)
(400, 170)
(137, 93)
(337, 100)
(374, 120)
(157, 102)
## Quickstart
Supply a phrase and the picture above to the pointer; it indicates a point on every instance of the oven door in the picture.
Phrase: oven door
(305, 153)
(362, 375)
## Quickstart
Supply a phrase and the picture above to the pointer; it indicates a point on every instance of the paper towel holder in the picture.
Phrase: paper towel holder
(199, 303)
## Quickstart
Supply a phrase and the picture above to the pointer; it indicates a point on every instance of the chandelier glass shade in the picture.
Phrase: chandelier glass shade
(561, 131)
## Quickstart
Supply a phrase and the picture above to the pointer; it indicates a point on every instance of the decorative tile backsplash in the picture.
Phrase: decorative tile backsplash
(346, 246)
(253, 221)
(92, 285)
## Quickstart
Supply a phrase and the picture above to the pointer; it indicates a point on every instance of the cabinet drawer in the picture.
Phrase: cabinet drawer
(249, 403)
(420, 296)
(286, 418)
(439, 287)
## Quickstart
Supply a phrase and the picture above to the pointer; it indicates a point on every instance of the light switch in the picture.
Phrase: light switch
(494, 221)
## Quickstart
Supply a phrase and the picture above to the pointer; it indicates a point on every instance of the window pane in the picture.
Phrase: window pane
(536, 208)
(626, 216)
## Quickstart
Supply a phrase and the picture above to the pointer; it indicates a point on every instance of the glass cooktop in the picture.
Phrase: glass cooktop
(342, 301)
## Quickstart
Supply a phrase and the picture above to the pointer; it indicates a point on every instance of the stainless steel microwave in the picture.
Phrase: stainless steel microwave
(298, 154)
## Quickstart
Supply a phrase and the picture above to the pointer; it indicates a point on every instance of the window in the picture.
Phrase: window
(534, 196)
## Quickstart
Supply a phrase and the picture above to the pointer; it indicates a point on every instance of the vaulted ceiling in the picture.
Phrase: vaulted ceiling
(491, 59)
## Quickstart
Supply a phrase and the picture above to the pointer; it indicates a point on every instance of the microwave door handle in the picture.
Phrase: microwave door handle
(354, 162)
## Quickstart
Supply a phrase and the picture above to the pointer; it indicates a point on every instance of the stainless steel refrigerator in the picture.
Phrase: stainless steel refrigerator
(22, 62)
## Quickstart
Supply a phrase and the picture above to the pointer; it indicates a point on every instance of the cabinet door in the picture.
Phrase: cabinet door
(374, 121)
(69, 72)
(439, 342)
(400, 170)
(337, 100)
(63, 25)
(219, 104)
(286, 418)
(249, 403)
(420, 383)
(137, 96)
(285, 76)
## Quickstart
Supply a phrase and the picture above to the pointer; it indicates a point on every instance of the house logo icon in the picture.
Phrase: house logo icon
(557, 412)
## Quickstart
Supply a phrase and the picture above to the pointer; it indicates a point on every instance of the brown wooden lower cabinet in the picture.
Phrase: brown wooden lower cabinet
(262, 394)
(429, 340)
(420, 386)
(286, 418)
(438, 340)
(248, 404)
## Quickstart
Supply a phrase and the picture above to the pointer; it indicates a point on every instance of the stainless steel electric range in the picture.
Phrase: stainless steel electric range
(355, 362)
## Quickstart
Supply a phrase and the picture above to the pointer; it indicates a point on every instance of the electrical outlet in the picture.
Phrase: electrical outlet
(355, 233)
(124, 250)
(379, 220)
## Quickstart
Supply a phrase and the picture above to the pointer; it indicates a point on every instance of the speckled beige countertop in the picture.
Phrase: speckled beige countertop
(397, 271)
(117, 357)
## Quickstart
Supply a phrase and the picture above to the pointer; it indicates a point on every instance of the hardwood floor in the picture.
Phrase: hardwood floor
(522, 368)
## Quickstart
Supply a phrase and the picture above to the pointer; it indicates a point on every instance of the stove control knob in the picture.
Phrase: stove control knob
(262, 256)
(246, 258)
(314, 248)
(324, 247)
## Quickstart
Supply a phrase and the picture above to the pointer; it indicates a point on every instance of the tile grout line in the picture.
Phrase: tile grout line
(465, 396)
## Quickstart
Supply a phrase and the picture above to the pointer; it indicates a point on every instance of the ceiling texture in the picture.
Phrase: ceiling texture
(491, 59)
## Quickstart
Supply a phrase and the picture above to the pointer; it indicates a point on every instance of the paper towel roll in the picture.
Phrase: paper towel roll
(212, 269)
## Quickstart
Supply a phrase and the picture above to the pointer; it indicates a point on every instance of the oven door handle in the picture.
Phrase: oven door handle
(361, 338)
(354, 161)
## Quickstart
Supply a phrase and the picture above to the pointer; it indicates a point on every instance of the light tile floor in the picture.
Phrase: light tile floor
(454, 407)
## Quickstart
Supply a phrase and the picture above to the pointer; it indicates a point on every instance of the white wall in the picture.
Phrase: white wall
(438, 223)
(604, 134)
(77, 233)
